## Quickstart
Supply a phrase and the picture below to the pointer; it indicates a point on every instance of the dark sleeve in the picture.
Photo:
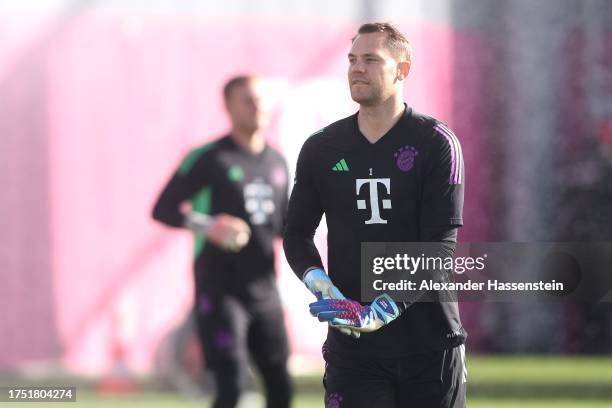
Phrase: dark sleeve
(446, 236)
(443, 184)
(303, 216)
(190, 177)
(441, 202)
(285, 202)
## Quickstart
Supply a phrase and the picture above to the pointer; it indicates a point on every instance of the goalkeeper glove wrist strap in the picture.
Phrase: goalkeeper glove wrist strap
(386, 309)
(198, 222)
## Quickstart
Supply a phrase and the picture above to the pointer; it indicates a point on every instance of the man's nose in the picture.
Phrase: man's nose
(357, 67)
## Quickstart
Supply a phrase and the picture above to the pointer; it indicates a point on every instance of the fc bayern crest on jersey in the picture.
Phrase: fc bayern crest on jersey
(404, 158)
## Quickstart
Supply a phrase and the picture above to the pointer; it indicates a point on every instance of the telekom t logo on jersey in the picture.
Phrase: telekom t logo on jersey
(374, 208)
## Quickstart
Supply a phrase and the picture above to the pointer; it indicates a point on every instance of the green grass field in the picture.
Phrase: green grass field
(302, 401)
(504, 382)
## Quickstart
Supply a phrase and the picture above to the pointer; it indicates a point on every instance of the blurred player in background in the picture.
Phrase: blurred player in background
(385, 174)
(237, 190)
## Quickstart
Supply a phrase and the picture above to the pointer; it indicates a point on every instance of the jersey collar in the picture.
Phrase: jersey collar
(384, 139)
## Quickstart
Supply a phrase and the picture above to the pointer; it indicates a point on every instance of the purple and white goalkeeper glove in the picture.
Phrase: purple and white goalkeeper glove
(352, 315)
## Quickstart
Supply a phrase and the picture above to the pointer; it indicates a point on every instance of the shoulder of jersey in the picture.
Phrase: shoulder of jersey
(329, 132)
(434, 127)
(196, 154)
(424, 122)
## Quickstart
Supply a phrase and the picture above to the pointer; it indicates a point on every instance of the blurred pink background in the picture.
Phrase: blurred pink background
(99, 102)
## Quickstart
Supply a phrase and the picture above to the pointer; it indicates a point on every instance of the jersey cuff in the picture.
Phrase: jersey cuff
(448, 222)
(456, 221)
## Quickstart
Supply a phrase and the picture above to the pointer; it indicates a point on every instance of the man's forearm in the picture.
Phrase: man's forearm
(167, 209)
(347, 314)
(301, 254)
(445, 250)
(172, 218)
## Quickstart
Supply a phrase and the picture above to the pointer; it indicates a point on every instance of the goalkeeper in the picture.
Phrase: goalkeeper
(237, 188)
(384, 174)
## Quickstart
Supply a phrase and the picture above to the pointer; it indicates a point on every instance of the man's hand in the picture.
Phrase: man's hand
(229, 232)
(318, 282)
(223, 230)
(348, 314)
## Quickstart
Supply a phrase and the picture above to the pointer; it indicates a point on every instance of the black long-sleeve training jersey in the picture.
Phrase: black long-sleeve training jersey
(221, 177)
(406, 187)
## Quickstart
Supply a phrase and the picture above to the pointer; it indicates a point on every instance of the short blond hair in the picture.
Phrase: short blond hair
(396, 42)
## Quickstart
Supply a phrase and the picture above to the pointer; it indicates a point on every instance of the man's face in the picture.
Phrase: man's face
(373, 71)
(244, 106)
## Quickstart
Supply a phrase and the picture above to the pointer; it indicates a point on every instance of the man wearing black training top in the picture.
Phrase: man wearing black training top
(385, 174)
(237, 188)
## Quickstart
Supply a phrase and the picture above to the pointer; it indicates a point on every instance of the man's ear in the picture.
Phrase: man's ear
(403, 68)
